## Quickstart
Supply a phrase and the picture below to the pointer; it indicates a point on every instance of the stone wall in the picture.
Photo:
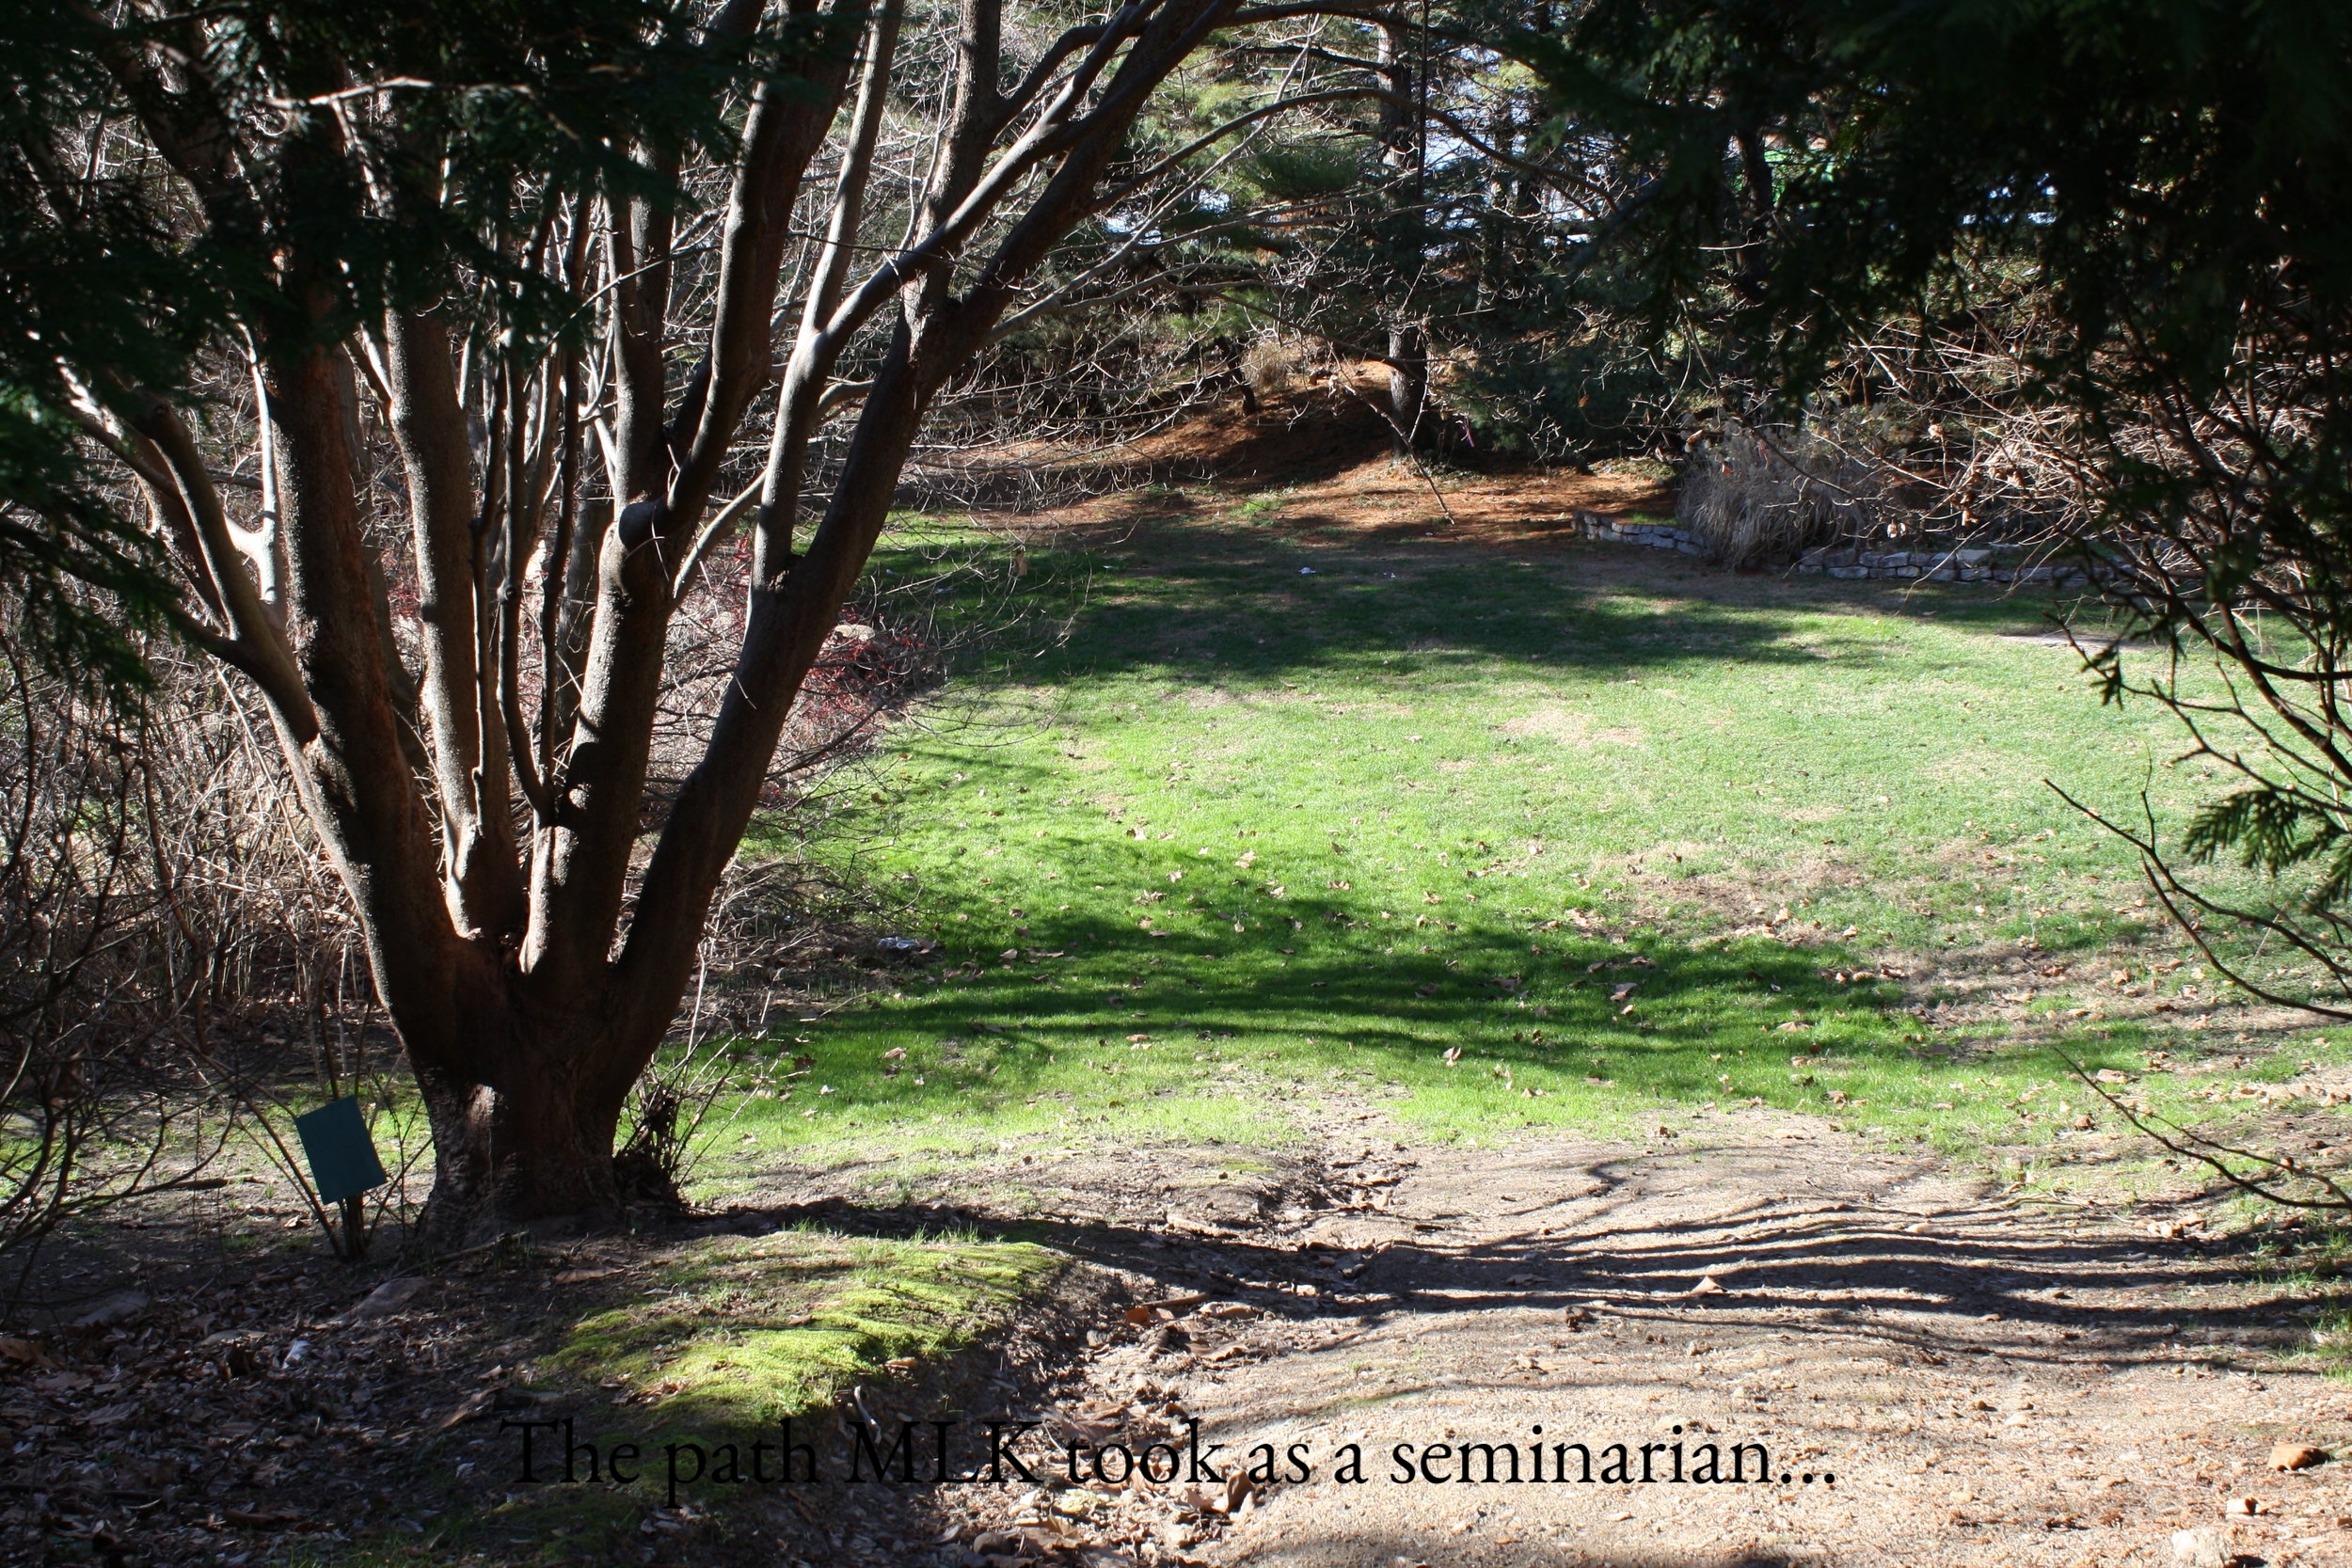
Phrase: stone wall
(1988, 564)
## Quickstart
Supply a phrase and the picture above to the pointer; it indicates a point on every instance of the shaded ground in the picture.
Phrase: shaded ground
(1988, 1384)
(323, 1413)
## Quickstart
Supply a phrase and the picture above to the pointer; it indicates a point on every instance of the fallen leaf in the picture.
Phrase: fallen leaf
(26, 1352)
(474, 1404)
(385, 1299)
(244, 1520)
(114, 1309)
(1180, 1221)
(2297, 1456)
(582, 1276)
(2201, 1549)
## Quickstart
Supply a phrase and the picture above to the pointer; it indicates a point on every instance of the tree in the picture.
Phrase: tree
(512, 271)
(87, 276)
(1393, 196)
(2146, 199)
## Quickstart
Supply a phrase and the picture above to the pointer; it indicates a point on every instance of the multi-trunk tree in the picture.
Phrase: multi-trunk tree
(478, 310)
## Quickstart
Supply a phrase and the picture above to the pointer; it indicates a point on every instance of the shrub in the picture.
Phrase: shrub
(1755, 496)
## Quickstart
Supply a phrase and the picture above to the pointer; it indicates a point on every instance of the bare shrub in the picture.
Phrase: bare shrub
(177, 970)
(101, 1094)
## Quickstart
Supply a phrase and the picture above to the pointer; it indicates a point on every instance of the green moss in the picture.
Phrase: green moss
(727, 1334)
(740, 1332)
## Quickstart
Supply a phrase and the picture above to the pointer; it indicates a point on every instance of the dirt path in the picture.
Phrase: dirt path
(1986, 1386)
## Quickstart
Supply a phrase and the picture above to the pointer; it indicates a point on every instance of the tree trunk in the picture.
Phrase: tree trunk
(1408, 384)
(535, 1150)
(1404, 133)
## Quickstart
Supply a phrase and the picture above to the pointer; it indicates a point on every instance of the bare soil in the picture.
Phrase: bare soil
(1988, 1385)
(1326, 449)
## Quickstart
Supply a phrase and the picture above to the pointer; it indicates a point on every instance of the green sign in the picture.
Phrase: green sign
(342, 1156)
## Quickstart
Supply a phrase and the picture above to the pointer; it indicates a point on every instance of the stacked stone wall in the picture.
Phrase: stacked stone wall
(1972, 563)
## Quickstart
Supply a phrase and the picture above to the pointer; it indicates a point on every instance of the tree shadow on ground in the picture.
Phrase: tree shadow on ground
(1192, 587)
(1648, 1015)
(2007, 1299)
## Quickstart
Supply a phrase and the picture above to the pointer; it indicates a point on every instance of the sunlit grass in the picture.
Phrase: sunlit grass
(1284, 821)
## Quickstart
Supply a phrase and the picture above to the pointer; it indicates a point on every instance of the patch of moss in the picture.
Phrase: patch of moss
(726, 1334)
(738, 1332)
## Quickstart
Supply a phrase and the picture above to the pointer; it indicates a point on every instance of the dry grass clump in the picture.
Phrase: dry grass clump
(1273, 366)
(1753, 498)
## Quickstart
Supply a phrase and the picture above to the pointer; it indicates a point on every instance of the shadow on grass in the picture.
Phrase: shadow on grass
(1187, 593)
(1712, 1021)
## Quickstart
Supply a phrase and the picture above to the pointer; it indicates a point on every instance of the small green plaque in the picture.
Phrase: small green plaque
(342, 1156)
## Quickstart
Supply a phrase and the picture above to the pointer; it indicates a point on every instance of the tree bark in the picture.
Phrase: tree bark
(1408, 384)
(534, 1147)
(1404, 134)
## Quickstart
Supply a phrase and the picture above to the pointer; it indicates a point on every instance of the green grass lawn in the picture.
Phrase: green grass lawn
(1486, 840)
